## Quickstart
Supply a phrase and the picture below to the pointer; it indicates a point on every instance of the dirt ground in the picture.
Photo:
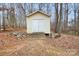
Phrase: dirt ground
(38, 46)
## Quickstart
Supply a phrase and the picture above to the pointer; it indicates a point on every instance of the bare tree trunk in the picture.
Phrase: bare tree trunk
(74, 18)
(56, 16)
(78, 21)
(59, 19)
(0, 22)
(66, 18)
(24, 13)
(3, 18)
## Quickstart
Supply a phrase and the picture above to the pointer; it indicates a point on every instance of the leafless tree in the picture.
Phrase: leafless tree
(65, 17)
(58, 17)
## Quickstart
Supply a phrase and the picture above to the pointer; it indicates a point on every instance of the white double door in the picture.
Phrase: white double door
(38, 25)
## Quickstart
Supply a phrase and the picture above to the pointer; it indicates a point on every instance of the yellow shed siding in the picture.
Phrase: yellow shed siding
(38, 16)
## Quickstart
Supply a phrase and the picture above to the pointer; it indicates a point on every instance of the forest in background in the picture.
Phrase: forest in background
(64, 16)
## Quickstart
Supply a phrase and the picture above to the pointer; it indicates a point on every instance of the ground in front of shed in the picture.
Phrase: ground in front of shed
(37, 45)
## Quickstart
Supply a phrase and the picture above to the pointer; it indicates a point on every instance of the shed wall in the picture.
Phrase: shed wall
(38, 16)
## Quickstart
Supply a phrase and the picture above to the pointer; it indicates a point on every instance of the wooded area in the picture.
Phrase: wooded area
(64, 16)
(22, 29)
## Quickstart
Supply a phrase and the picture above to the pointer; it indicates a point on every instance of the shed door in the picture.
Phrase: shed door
(42, 26)
(34, 25)
(38, 26)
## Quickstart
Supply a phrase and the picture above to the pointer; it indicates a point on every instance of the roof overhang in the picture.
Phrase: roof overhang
(37, 12)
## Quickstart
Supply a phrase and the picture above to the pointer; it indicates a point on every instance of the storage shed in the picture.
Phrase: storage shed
(38, 21)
